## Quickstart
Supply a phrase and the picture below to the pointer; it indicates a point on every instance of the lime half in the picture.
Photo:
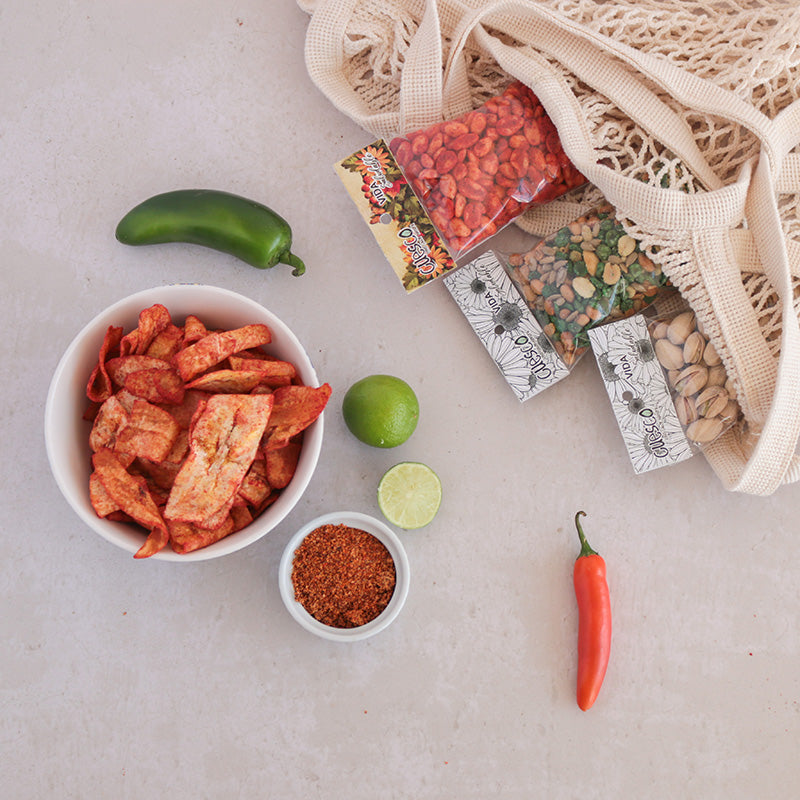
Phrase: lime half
(409, 495)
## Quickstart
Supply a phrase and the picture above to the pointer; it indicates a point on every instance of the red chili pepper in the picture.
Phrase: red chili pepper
(594, 625)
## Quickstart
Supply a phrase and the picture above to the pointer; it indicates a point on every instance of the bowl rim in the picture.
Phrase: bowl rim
(380, 531)
(64, 371)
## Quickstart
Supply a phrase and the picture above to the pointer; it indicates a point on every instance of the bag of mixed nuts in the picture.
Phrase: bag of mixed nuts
(589, 272)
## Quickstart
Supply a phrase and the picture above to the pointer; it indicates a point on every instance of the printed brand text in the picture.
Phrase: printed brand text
(379, 180)
(413, 243)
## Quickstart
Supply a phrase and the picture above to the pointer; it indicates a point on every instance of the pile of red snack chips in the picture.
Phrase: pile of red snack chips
(194, 432)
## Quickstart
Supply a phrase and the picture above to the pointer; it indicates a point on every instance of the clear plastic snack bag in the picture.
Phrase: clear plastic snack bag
(476, 173)
(587, 273)
(668, 389)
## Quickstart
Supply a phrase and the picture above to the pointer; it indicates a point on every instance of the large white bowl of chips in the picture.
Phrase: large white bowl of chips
(67, 432)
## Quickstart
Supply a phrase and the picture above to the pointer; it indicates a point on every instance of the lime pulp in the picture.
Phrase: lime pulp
(409, 495)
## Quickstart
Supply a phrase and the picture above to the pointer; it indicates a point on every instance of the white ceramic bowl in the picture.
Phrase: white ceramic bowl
(67, 435)
(392, 543)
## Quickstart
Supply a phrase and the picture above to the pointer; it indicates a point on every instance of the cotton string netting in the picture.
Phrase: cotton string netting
(684, 116)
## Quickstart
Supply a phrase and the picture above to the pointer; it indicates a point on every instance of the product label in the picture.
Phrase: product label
(503, 322)
(639, 394)
(396, 218)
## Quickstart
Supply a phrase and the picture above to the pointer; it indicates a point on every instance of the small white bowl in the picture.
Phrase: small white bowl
(67, 435)
(352, 519)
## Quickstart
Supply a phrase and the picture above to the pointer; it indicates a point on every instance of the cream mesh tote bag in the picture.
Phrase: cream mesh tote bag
(685, 116)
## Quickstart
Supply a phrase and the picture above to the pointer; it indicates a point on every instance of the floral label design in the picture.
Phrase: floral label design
(396, 218)
(506, 326)
(639, 394)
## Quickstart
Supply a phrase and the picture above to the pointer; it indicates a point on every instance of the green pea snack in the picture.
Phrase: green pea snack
(589, 272)
(226, 222)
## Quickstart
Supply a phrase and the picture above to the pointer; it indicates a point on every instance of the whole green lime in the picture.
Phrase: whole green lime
(381, 410)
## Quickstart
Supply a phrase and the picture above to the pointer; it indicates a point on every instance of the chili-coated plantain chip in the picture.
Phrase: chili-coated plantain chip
(266, 503)
(130, 493)
(161, 475)
(185, 537)
(102, 502)
(156, 385)
(281, 465)
(121, 367)
(126, 398)
(92, 409)
(183, 412)
(193, 329)
(226, 381)
(223, 444)
(156, 541)
(167, 343)
(268, 367)
(180, 449)
(150, 433)
(296, 407)
(110, 420)
(216, 347)
(255, 487)
(99, 387)
(219, 517)
(241, 516)
(152, 321)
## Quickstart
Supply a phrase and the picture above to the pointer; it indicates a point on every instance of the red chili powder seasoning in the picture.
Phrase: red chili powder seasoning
(344, 577)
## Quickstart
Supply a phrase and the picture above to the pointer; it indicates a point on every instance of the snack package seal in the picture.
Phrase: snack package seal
(586, 273)
(639, 395)
(500, 318)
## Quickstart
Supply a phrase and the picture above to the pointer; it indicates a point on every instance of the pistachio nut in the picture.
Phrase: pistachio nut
(691, 380)
(670, 356)
(693, 347)
(711, 356)
(704, 430)
(686, 410)
(659, 330)
(717, 375)
(712, 401)
(680, 327)
(730, 413)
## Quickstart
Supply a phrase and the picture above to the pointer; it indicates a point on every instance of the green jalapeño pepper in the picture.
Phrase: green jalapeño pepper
(219, 220)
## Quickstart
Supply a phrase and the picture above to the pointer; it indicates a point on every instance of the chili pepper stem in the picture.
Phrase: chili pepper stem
(586, 549)
(293, 261)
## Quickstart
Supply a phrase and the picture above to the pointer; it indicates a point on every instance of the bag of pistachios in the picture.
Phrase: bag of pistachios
(702, 393)
(686, 118)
